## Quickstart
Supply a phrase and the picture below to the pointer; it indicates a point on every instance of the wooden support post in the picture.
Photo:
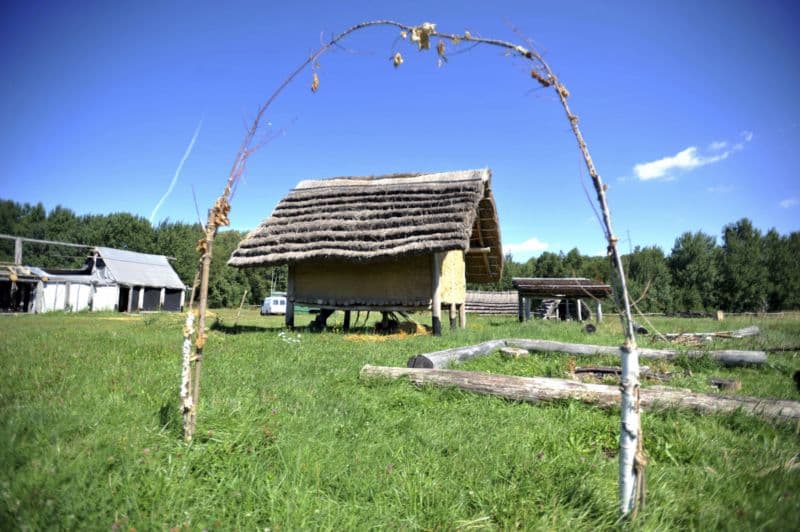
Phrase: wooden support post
(580, 310)
(18, 251)
(520, 307)
(599, 313)
(528, 301)
(452, 316)
(346, 325)
(462, 315)
(289, 318)
(436, 301)
(567, 315)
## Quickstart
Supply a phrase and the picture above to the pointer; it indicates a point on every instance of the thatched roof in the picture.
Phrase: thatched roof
(364, 219)
(560, 287)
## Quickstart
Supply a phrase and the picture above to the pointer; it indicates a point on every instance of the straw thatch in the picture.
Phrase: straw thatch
(368, 219)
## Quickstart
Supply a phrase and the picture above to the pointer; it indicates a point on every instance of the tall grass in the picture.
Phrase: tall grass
(290, 438)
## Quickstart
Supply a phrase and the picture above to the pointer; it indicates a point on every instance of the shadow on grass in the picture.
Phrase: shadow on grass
(241, 329)
(169, 419)
(249, 329)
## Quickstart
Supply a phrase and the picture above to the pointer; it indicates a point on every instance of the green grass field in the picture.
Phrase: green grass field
(289, 438)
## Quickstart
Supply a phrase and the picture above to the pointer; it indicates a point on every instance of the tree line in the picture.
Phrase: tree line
(747, 271)
(134, 233)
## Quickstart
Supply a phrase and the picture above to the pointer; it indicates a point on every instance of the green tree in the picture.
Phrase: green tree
(693, 264)
(646, 269)
(179, 240)
(743, 270)
(573, 263)
(783, 276)
(550, 265)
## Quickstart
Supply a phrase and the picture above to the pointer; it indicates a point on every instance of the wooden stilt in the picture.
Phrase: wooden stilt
(436, 301)
(289, 318)
(580, 311)
(346, 325)
(462, 315)
(520, 307)
(452, 316)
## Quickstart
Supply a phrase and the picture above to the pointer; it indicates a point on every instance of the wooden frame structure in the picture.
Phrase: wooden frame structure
(555, 291)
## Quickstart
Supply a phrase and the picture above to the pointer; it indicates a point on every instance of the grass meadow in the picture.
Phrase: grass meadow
(289, 438)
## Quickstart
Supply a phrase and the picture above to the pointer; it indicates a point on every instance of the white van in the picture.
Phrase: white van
(273, 305)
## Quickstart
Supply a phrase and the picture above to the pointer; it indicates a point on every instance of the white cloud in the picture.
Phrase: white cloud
(688, 159)
(525, 250)
(717, 145)
(788, 203)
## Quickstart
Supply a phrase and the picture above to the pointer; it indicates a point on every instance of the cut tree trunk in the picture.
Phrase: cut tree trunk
(440, 359)
(542, 389)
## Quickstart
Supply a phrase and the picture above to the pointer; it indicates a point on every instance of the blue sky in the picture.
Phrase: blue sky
(689, 109)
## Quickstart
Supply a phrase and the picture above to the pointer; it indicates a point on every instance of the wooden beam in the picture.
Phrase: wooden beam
(289, 317)
(476, 251)
(436, 300)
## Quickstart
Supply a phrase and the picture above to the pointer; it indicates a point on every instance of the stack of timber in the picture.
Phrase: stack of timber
(488, 303)
(546, 309)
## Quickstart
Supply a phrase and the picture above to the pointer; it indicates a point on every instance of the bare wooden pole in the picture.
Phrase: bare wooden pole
(241, 304)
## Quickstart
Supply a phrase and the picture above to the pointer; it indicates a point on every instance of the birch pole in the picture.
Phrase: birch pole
(632, 460)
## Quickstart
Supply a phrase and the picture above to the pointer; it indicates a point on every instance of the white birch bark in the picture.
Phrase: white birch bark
(186, 374)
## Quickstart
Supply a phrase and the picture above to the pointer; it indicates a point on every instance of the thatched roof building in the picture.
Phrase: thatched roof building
(360, 238)
(373, 218)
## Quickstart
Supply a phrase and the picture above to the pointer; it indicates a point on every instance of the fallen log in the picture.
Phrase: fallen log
(738, 333)
(728, 357)
(440, 359)
(542, 389)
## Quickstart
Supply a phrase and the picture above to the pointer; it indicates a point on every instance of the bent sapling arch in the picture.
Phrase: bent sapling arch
(632, 460)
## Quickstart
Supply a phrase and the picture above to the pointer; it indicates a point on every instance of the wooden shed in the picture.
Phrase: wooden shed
(554, 295)
(399, 242)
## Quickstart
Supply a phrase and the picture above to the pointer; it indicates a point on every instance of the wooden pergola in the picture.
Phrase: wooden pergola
(555, 289)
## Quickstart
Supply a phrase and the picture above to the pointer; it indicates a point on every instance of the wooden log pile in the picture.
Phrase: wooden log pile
(442, 359)
(542, 389)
